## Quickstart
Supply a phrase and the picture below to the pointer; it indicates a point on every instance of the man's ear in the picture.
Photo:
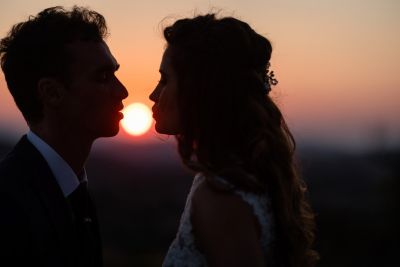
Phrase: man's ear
(51, 91)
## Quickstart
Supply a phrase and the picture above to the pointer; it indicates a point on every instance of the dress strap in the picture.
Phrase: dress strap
(261, 207)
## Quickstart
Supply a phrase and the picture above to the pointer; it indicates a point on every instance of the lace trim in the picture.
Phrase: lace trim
(183, 251)
(262, 210)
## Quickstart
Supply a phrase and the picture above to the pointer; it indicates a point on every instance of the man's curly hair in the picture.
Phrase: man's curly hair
(35, 48)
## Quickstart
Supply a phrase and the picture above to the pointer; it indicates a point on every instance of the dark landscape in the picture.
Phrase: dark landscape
(140, 191)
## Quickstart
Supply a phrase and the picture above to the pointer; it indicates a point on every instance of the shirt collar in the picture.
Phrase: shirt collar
(65, 176)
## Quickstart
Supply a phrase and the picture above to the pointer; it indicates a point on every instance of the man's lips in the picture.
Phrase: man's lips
(119, 109)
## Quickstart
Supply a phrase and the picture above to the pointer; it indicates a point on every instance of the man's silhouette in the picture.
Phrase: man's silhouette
(61, 75)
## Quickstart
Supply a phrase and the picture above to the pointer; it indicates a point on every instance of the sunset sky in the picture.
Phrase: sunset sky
(337, 61)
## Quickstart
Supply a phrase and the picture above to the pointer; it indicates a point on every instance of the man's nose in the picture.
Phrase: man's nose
(121, 91)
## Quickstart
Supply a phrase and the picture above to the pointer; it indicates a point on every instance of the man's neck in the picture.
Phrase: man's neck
(73, 149)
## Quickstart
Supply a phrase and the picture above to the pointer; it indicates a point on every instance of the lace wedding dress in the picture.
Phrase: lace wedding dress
(183, 251)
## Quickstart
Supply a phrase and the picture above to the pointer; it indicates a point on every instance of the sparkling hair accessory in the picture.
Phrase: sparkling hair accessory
(269, 79)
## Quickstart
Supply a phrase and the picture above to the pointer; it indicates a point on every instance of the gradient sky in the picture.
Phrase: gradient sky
(337, 61)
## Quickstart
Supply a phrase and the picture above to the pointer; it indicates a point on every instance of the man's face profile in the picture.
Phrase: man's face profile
(94, 95)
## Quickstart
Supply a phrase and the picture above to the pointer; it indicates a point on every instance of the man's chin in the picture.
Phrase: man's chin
(109, 132)
(112, 132)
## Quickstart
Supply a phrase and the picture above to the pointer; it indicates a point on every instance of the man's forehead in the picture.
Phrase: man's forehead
(91, 53)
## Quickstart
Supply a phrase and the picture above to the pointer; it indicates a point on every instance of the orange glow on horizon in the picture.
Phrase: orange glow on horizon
(337, 67)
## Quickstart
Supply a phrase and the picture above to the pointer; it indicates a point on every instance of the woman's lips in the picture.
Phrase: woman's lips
(155, 111)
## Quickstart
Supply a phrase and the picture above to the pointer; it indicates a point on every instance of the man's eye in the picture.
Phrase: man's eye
(104, 77)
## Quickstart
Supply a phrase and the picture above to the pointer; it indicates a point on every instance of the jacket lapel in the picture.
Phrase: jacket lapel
(45, 185)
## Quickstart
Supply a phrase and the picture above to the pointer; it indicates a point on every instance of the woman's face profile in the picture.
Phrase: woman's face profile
(165, 108)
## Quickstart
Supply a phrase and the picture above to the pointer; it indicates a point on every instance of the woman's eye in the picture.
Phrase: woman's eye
(162, 80)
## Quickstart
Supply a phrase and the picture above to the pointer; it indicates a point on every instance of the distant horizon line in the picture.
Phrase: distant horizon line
(303, 141)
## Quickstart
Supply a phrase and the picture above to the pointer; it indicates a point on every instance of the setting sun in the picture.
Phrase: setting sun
(137, 119)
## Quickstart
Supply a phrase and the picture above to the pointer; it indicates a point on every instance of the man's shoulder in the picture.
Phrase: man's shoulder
(10, 167)
(16, 162)
(9, 161)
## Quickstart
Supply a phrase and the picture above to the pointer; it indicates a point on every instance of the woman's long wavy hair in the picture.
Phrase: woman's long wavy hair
(231, 127)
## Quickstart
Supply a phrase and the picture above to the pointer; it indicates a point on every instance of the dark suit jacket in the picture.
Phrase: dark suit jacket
(36, 221)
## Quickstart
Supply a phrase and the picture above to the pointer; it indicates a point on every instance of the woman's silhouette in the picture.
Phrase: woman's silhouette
(247, 205)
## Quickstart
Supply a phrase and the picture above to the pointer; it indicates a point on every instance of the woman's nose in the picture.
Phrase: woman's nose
(154, 95)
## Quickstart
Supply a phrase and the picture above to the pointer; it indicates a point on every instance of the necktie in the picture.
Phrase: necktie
(79, 200)
(80, 203)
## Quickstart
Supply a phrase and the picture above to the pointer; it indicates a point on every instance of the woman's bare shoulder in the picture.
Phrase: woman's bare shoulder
(211, 197)
(225, 227)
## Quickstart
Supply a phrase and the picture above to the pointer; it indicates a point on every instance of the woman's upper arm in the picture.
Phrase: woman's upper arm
(225, 229)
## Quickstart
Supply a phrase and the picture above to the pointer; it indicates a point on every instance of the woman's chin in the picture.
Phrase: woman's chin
(163, 129)
(160, 129)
